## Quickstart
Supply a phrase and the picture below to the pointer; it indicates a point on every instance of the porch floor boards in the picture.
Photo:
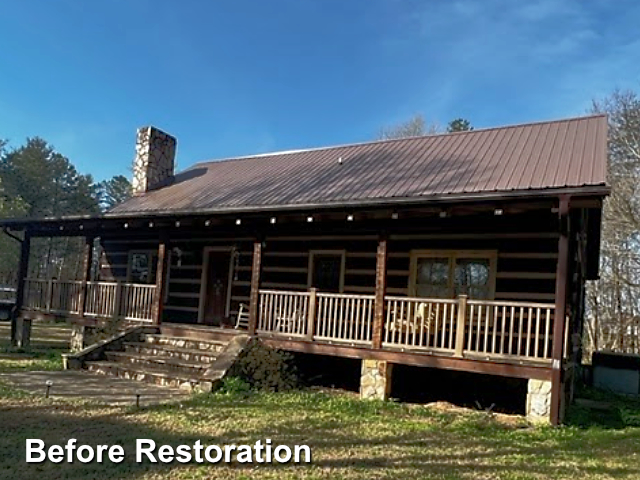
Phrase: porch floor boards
(206, 333)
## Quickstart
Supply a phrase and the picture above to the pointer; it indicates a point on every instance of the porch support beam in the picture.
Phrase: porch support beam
(562, 276)
(87, 261)
(381, 288)
(541, 372)
(161, 268)
(255, 286)
(23, 270)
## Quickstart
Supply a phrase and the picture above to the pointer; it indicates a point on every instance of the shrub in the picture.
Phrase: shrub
(102, 331)
(234, 386)
(265, 368)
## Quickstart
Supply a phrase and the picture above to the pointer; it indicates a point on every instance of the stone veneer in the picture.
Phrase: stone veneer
(154, 163)
(77, 342)
(375, 379)
(539, 401)
(23, 332)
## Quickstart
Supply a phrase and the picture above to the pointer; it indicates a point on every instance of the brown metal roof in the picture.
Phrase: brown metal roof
(562, 154)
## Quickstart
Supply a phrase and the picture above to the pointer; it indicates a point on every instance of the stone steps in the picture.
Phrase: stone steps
(168, 365)
(148, 374)
(185, 343)
(193, 361)
(168, 351)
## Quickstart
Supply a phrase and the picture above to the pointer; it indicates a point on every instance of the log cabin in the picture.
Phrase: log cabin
(465, 251)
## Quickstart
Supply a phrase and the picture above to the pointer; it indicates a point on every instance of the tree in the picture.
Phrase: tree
(46, 184)
(114, 191)
(613, 302)
(459, 125)
(9, 248)
(414, 127)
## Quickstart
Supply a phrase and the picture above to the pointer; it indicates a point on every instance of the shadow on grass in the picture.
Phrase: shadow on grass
(349, 439)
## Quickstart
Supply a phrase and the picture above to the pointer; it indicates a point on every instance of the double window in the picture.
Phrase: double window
(447, 274)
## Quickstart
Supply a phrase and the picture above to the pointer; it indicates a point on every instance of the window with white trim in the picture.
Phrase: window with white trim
(447, 274)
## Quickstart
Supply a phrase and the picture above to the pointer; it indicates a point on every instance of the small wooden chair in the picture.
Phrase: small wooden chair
(288, 323)
(242, 322)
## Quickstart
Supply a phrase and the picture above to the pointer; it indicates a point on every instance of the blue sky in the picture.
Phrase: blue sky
(234, 77)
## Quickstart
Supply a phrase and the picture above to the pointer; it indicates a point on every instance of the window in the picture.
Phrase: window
(141, 268)
(326, 270)
(447, 274)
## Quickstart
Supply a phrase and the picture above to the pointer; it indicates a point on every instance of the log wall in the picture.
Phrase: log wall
(526, 246)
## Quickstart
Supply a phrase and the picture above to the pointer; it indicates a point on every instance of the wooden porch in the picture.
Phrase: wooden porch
(463, 330)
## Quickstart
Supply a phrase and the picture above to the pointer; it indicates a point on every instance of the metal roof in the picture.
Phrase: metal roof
(519, 159)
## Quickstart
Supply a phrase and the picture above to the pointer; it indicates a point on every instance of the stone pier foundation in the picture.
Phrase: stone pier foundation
(375, 379)
(539, 401)
(23, 333)
(77, 342)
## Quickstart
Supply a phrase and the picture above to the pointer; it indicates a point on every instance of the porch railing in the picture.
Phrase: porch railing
(456, 327)
(509, 329)
(420, 323)
(7, 294)
(128, 301)
(325, 317)
(344, 318)
(283, 312)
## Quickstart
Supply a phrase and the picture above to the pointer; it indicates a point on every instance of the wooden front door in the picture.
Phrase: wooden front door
(216, 288)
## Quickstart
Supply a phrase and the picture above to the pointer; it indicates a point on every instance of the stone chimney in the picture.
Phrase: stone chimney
(153, 166)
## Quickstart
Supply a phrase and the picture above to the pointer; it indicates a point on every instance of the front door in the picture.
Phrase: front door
(216, 288)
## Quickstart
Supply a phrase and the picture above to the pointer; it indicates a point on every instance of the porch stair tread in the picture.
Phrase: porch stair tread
(172, 349)
(154, 359)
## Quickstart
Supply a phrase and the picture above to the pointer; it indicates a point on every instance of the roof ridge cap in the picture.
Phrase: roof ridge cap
(389, 140)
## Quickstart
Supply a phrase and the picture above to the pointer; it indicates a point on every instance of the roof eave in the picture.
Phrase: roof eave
(601, 190)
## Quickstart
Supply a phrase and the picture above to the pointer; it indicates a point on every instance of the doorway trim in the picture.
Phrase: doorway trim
(203, 279)
(343, 260)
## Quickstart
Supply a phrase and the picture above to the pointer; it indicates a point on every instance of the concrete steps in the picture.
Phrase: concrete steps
(187, 362)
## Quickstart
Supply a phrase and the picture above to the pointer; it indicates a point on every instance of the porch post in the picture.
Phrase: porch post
(381, 288)
(161, 268)
(87, 261)
(254, 297)
(560, 313)
(23, 270)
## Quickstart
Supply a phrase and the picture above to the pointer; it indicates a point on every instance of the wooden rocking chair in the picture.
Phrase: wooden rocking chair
(242, 322)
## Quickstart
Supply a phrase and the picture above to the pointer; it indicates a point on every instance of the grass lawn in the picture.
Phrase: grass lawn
(48, 341)
(349, 438)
